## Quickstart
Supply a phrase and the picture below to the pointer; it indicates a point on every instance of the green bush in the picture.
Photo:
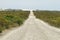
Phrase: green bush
(9, 19)
(51, 17)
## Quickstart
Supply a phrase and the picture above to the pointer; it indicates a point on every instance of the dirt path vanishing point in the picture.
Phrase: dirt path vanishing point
(33, 29)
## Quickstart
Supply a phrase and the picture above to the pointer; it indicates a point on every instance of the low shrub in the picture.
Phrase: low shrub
(9, 19)
(51, 17)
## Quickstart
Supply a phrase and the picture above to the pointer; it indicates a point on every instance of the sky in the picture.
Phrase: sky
(30, 4)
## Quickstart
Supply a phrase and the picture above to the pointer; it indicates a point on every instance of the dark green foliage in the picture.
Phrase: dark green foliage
(9, 19)
(52, 17)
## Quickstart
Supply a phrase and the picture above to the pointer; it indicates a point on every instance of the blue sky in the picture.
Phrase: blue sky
(31, 4)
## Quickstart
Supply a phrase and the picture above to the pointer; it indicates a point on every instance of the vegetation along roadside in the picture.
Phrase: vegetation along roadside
(12, 18)
(51, 17)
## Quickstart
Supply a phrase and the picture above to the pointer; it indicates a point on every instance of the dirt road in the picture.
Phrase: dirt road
(33, 29)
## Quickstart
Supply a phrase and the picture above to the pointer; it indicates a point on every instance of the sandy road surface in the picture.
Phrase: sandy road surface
(33, 29)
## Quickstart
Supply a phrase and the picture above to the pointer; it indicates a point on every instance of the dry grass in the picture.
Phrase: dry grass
(51, 17)
(9, 19)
